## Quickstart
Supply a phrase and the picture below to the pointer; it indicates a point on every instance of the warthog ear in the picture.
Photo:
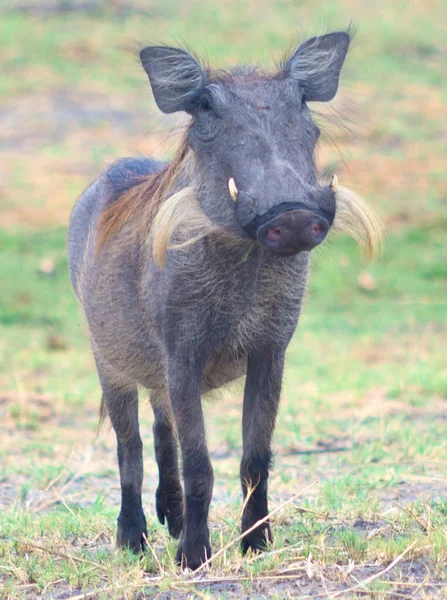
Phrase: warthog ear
(175, 76)
(317, 64)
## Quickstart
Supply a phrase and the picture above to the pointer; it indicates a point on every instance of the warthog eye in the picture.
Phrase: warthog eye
(205, 104)
(207, 122)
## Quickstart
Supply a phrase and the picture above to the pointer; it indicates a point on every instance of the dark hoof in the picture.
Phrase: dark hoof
(132, 533)
(258, 540)
(192, 554)
(169, 504)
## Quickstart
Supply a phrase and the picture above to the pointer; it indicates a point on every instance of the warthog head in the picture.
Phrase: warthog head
(253, 139)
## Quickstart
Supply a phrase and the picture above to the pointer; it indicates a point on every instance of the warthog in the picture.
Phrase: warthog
(191, 273)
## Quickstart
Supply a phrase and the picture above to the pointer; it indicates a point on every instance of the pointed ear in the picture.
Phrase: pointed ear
(317, 64)
(175, 76)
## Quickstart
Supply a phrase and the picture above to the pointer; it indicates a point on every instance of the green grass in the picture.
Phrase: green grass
(365, 392)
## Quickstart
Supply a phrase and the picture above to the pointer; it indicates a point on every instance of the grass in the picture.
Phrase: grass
(365, 394)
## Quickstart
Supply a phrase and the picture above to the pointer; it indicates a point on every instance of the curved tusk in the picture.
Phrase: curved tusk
(233, 189)
(334, 183)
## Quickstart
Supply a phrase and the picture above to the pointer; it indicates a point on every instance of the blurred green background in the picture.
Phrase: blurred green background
(365, 396)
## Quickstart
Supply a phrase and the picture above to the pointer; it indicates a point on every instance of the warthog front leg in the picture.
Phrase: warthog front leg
(184, 384)
(122, 407)
(169, 495)
(261, 400)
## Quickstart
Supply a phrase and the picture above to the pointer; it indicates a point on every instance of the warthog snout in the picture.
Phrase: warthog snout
(293, 227)
(293, 231)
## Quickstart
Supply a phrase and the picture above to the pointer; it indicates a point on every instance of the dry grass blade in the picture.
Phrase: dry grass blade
(109, 588)
(154, 554)
(93, 594)
(231, 578)
(301, 509)
(292, 548)
(61, 554)
(372, 578)
(250, 489)
(423, 523)
(253, 527)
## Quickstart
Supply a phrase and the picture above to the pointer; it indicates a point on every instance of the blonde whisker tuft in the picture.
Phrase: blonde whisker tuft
(179, 214)
(355, 217)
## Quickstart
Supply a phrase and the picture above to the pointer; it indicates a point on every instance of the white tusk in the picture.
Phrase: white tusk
(334, 183)
(233, 189)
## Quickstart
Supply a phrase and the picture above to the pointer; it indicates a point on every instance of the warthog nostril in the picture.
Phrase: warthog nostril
(316, 229)
(273, 234)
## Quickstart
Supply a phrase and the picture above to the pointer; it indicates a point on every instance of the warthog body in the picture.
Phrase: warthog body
(191, 274)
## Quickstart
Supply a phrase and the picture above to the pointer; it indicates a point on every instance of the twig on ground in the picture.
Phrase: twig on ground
(61, 554)
(301, 509)
(253, 527)
(291, 548)
(108, 588)
(51, 584)
(368, 580)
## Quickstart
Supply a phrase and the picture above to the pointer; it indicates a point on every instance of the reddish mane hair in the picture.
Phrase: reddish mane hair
(139, 204)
